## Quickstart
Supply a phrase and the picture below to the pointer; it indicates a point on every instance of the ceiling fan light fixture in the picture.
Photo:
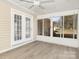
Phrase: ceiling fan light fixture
(36, 3)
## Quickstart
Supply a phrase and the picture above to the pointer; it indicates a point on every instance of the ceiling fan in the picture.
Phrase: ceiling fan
(37, 3)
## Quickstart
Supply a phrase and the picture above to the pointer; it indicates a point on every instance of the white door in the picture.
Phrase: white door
(27, 28)
(21, 27)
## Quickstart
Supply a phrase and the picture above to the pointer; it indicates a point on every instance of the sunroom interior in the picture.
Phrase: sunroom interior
(23, 22)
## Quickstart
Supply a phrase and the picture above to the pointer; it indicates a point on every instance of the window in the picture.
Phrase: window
(40, 27)
(57, 26)
(70, 26)
(17, 27)
(27, 27)
(46, 27)
(61, 26)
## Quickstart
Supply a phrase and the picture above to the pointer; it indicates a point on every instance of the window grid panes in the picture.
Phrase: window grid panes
(17, 27)
(27, 27)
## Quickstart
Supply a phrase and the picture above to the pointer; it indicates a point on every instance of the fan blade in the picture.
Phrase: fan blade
(31, 6)
(27, 1)
(41, 7)
(47, 1)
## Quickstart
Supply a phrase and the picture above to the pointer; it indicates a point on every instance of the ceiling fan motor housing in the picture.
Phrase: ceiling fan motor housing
(36, 3)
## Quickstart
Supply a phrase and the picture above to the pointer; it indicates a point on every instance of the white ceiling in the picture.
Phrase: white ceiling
(54, 6)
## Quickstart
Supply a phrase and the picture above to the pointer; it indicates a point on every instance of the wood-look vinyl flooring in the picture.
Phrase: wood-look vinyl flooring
(41, 50)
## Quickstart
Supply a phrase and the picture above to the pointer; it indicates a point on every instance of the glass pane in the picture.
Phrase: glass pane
(61, 26)
(40, 24)
(68, 26)
(75, 25)
(27, 27)
(57, 26)
(47, 27)
(17, 27)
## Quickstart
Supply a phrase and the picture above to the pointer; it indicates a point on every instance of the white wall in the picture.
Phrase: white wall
(5, 21)
(61, 41)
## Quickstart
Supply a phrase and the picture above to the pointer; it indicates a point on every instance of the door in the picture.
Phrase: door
(21, 27)
(27, 28)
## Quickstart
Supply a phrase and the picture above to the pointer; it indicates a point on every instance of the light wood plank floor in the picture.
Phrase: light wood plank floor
(41, 50)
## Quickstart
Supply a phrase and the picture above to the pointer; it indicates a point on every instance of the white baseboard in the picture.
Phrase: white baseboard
(16, 46)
